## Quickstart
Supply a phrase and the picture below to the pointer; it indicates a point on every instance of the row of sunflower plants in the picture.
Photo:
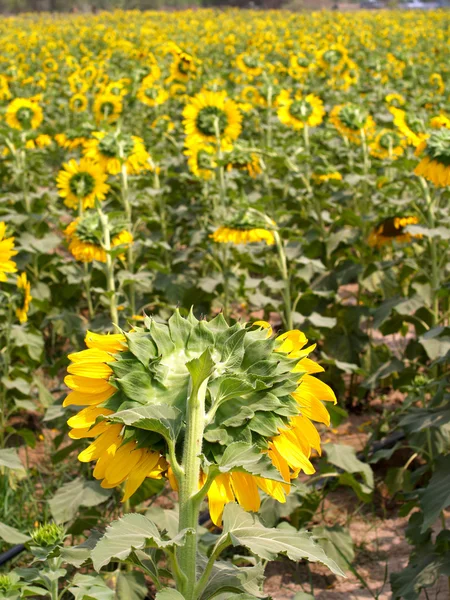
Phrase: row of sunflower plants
(297, 181)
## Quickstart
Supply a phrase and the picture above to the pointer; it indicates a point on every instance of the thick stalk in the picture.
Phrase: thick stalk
(109, 267)
(286, 280)
(189, 503)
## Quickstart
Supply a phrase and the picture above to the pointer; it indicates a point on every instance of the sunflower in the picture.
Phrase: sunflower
(111, 150)
(298, 112)
(84, 243)
(204, 111)
(350, 120)
(82, 182)
(435, 162)
(107, 107)
(6, 253)
(440, 121)
(201, 160)
(250, 64)
(5, 93)
(78, 103)
(395, 100)
(437, 83)
(284, 403)
(333, 58)
(253, 96)
(70, 140)
(324, 177)
(23, 285)
(409, 125)
(393, 228)
(183, 66)
(234, 235)
(23, 113)
(243, 160)
(299, 65)
(40, 141)
(388, 144)
(151, 94)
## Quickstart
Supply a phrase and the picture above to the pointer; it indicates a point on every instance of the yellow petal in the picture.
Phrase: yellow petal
(311, 386)
(246, 491)
(88, 432)
(109, 343)
(219, 494)
(125, 459)
(91, 355)
(291, 452)
(139, 473)
(100, 445)
(306, 365)
(87, 417)
(271, 488)
(291, 341)
(302, 427)
(81, 399)
(87, 385)
(89, 369)
(265, 325)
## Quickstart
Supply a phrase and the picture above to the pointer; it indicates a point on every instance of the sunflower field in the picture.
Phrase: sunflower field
(224, 305)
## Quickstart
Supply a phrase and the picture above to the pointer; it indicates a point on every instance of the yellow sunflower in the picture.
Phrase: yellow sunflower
(40, 141)
(298, 112)
(233, 235)
(393, 228)
(201, 160)
(388, 144)
(333, 58)
(84, 243)
(437, 83)
(151, 94)
(250, 64)
(206, 110)
(23, 113)
(111, 150)
(395, 100)
(107, 107)
(78, 103)
(70, 140)
(350, 120)
(299, 65)
(183, 66)
(23, 285)
(409, 125)
(83, 182)
(6, 253)
(324, 177)
(435, 163)
(440, 121)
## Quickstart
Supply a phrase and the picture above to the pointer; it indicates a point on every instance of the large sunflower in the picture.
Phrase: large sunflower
(350, 120)
(24, 114)
(82, 182)
(82, 235)
(298, 112)
(206, 109)
(6, 253)
(121, 378)
(111, 150)
(435, 153)
(107, 107)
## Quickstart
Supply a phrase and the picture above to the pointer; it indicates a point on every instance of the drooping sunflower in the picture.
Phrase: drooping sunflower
(409, 125)
(299, 65)
(70, 140)
(204, 111)
(78, 103)
(437, 83)
(201, 160)
(283, 401)
(6, 253)
(388, 144)
(24, 287)
(5, 93)
(435, 158)
(82, 182)
(395, 100)
(22, 113)
(350, 120)
(325, 177)
(243, 160)
(151, 94)
(232, 235)
(298, 112)
(107, 107)
(393, 229)
(112, 150)
(82, 234)
(40, 141)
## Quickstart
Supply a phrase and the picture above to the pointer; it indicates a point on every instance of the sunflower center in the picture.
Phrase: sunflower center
(82, 184)
(24, 116)
(302, 61)
(207, 117)
(151, 92)
(300, 109)
(88, 229)
(184, 66)
(250, 61)
(110, 146)
(107, 109)
(332, 57)
(204, 160)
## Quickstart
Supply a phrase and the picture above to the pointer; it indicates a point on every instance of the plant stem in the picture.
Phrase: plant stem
(226, 283)
(129, 218)
(435, 277)
(269, 116)
(110, 283)
(286, 280)
(189, 503)
(220, 168)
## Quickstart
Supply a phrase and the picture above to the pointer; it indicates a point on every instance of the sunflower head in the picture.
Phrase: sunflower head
(107, 107)
(393, 229)
(83, 182)
(246, 227)
(47, 535)
(388, 144)
(259, 393)
(209, 115)
(300, 111)
(23, 288)
(24, 114)
(435, 162)
(6, 253)
(78, 103)
(350, 119)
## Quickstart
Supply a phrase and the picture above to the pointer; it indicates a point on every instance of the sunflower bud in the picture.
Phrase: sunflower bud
(47, 535)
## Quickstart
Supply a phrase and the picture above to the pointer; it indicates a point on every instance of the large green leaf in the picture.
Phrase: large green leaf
(436, 496)
(240, 456)
(90, 587)
(337, 543)
(10, 459)
(201, 368)
(132, 531)
(169, 594)
(11, 535)
(345, 458)
(68, 499)
(226, 577)
(243, 529)
(162, 418)
(131, 586)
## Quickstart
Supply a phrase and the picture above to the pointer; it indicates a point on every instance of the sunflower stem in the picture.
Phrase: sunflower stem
(435, 277)
(286, 280)
(110, 283)
(189, 500)
(129, 218)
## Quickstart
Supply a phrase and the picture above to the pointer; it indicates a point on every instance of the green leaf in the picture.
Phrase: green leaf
(131, 586)
(169, 594)
(11, 535)
(303, 596)
(33, 342)
(436, 496)
(243, 529)
(133, 531)
(141, 346)
(90, 587)
(226, 577)
(161, 418)
(345, 458)
(68, 499)
(337, 544)
(201, 368)
(77, 555)
(240, 456)
(10, 459)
